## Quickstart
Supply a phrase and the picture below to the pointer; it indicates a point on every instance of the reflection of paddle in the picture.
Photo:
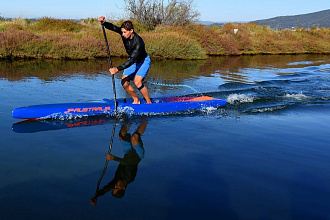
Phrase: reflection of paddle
(94, 199)
(113, 77)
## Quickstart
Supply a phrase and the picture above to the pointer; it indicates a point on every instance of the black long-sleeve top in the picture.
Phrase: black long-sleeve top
(135, 47)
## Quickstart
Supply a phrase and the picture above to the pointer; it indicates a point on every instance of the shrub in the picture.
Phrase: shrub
(13, 41)
(55, 25)
(173, 45)
(18, 43)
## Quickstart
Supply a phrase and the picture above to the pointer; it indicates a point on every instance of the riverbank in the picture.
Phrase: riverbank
(65, 39)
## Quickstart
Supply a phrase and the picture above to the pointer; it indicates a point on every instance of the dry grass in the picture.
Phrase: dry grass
(65, 39)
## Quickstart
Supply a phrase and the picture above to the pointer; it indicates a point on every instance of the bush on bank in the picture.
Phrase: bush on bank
(65, 39)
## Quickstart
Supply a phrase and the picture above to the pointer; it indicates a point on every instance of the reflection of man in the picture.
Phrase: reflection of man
(127, 168)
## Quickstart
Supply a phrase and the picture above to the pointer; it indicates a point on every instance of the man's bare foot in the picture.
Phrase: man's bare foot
(136, 102)
(93, 201)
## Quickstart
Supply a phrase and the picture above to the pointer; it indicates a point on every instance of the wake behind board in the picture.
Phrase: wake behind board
(107, 107)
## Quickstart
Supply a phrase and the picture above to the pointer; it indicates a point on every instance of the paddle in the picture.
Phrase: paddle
(113, 77)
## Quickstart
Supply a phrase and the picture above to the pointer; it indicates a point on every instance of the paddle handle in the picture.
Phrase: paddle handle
(113, 77)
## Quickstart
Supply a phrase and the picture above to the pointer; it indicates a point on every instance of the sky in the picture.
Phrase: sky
(210, 10)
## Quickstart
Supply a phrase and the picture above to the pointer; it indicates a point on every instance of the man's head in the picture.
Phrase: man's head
(127, 30)
(119, 189)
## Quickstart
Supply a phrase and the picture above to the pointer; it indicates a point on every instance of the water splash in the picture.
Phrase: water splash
(172, 85)
(239, 98)
(266, 109)
(299, 96)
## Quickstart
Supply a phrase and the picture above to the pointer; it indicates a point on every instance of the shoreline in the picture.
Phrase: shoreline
(26, 58)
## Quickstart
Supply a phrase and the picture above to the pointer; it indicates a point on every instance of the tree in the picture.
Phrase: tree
(154, 12)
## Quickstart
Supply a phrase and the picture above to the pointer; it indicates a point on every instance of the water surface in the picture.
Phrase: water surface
(266, 155)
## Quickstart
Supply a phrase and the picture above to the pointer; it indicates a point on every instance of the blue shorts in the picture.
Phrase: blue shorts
(127, 147)
(139, 69)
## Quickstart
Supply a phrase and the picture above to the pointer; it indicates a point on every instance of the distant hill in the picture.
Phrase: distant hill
(204, 22)
(316, 19)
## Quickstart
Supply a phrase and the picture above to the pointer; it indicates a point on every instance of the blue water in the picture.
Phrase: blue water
(266, 155)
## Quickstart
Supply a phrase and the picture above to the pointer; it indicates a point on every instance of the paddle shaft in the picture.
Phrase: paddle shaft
(113, 77)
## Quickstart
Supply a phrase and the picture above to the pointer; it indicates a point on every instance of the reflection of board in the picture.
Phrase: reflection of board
(107, 107)
(30, 126)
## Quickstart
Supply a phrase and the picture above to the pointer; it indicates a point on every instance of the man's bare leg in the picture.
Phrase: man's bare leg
(145, 94)
(130, 90)
(144, 90)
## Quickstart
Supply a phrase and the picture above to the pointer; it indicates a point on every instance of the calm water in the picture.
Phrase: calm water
(266, 155)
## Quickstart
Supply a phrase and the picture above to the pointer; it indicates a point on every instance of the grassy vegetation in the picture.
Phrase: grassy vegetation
(65, 39)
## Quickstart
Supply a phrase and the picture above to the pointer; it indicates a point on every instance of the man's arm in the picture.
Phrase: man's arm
(134, 56)
(118, 159)
(110, 26)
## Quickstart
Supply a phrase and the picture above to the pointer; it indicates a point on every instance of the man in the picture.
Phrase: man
(137, 66)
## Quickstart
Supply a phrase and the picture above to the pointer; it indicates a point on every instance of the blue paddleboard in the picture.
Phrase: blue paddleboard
(124, 106)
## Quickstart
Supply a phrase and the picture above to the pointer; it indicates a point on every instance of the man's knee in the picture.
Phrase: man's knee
(140, 87)
(135, 139)
(138, 82)
(125, 81)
